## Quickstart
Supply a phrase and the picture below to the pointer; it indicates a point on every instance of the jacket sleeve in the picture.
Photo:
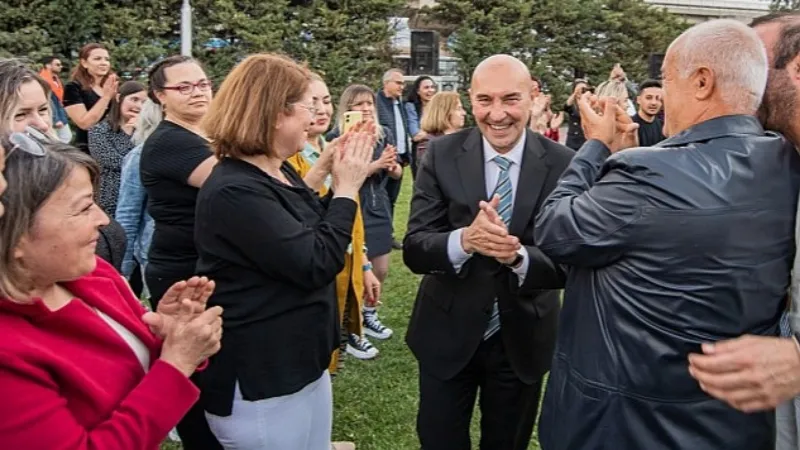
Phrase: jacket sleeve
(413, 119)
(285, 248)
(130, 207)
(425, 243)
(588, 223)
(35, 415)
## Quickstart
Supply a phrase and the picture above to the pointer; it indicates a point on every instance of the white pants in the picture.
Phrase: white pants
(299, 421)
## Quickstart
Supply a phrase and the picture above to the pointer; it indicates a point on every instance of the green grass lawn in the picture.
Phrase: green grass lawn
(375, 402)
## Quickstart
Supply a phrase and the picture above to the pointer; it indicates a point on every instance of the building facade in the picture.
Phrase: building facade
(701, 10)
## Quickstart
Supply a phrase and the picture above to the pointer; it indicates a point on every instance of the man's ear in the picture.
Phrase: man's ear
(703, 82)
(793, 69)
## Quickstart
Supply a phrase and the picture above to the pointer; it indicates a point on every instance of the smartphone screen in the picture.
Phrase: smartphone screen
(350, 119)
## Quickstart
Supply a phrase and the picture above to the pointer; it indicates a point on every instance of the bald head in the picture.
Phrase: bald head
(505, 66)
(501, 100)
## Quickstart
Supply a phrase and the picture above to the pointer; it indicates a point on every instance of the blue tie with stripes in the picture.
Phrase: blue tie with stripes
(504, 191)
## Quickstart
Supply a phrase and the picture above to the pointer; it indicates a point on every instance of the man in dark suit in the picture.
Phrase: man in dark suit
(392, 115)
(486, 312)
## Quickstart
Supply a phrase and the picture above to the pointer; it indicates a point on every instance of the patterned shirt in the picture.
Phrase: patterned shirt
(108, 149)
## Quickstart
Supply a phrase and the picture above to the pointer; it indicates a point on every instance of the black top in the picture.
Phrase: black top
(650, 133)
(74, 94)
(575, 138)
(274, 252)
(112, 244)
(169, 157)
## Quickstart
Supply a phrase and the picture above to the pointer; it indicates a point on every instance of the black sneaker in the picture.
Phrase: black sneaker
(374, 328)
(360, 347)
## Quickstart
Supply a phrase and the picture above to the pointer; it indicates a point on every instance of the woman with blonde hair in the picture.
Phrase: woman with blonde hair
(357, 281)
(614, 89)
(375, 204)
(274, 248)
(444, 115)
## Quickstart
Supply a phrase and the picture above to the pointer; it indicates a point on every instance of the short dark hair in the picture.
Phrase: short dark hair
(787, 47)
(157, 77)
(780, 16)
(49, 59)
(647, 84)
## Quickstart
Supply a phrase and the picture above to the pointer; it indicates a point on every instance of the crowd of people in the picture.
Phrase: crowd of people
(176, 256)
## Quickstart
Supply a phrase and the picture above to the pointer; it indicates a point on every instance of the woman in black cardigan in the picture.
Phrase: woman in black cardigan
(274, 249)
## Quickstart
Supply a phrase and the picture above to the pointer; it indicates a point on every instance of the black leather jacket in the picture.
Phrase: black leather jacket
(669, 247)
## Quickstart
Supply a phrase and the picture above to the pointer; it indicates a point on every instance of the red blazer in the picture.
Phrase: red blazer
(69, 381)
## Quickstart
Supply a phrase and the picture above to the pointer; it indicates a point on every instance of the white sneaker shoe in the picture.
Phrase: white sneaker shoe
(360, 347)
(374, 328)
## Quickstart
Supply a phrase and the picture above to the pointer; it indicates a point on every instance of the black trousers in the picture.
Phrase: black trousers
(508, 406)
(193, 428)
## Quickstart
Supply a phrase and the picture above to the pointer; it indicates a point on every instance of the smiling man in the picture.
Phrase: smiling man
(650, 100)
(485, 315)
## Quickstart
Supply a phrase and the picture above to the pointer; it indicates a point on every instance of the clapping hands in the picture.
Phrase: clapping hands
(602, 119)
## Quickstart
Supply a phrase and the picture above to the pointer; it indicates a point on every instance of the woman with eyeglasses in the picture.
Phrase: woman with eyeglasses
(88, 368)
(92, 88)
(110, 140)
(274, 247)
(176, 160)
(24, 105)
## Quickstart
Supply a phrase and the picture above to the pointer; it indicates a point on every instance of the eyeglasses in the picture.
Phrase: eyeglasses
(188, 88)
(312, 109)
(29, 142)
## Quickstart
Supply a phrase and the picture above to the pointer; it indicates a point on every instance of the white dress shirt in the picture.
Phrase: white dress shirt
(399, 128)
(458, 257)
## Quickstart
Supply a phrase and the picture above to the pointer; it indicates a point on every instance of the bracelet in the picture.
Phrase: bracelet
(367, 267)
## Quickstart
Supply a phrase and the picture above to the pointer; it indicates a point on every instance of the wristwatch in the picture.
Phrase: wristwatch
(516, 262)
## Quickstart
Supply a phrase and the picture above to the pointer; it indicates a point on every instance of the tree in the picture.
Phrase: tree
(557, 38)
(346, 41)
(782, 5)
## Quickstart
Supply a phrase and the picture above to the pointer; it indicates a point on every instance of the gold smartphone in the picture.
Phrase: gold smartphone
(350, 119)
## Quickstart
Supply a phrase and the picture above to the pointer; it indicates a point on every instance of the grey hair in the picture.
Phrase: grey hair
(149, 118)
(14, 73)
(31, 181)
(733, 52)
(388, 74)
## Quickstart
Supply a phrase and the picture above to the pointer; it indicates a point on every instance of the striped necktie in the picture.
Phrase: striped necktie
(504, 191)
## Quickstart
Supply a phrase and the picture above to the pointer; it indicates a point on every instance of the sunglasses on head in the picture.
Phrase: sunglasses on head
(31, 141)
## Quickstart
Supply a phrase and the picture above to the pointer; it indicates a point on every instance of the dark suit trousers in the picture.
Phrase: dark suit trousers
(393, 186)
(193, 428)
(508, 406)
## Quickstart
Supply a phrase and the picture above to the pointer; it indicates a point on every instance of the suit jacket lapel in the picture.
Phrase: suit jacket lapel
(471, 170)
(532, 176)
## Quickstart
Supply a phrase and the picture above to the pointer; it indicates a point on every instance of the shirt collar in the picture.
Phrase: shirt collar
(515, 155)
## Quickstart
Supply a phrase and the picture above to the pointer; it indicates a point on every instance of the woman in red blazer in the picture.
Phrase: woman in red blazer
(82, 365)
